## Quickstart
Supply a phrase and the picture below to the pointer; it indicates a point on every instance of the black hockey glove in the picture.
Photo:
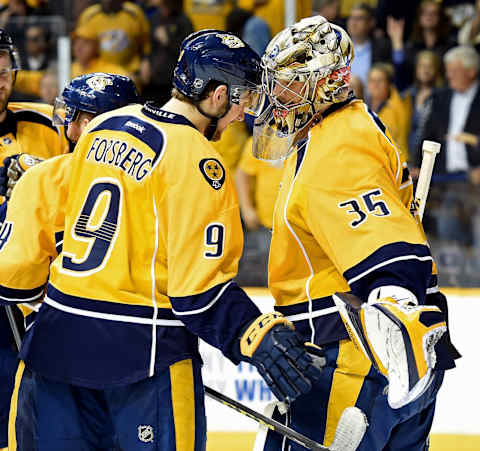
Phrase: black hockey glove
(275, 349)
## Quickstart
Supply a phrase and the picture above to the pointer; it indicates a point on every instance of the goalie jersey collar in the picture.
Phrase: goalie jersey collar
(336, 106)
(154, 112)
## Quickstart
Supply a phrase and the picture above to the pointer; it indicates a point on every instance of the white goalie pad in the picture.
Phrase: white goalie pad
(398, 339)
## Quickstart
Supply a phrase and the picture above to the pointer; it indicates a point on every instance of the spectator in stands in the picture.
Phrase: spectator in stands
(86, 54)
(384, 99)
(330, 9)
(428, 78)
(368, 49)
(469, 34)
(257, 186)
(37, 52)
(208, 13)
(357, 86)
(252, 29)
(13, 20)
(453, 111)
(273, 11)
(431, 31)
(49, 87)
(122, 30)
(169, 27)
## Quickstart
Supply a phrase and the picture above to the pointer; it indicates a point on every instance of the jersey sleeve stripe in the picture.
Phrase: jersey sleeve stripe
(199, 299)
(113, 311)
(219, 324)
(13, 295)
(402, 264)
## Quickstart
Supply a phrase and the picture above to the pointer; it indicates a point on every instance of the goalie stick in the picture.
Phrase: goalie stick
(430, 150)
(350, 429)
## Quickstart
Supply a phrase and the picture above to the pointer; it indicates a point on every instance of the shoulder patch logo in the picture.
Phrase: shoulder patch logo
(213, 172)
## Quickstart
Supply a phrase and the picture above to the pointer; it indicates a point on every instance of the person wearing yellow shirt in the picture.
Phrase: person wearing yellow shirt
(208, 14)
(273, 11)
(386, 102)
(257, 185)
(86, 54)
(122, 29)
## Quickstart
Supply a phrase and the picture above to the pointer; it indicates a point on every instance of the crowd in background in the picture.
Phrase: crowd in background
(416, 66)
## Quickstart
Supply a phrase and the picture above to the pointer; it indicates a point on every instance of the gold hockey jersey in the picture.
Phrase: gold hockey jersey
(342, 221)
(151, 219)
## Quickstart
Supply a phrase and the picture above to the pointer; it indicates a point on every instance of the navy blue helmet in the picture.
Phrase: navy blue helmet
(94, 93)
(213, 55)
(6, 44)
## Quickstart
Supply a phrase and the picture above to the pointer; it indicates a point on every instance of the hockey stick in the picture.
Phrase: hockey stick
(13, 325)
(350, 430)
(430, 150)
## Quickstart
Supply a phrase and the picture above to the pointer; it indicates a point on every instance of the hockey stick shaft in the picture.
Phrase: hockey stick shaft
(13, 325)
(430, 150)
(264, 420)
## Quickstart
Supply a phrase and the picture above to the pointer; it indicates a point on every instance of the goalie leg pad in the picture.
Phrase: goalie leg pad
(399, 340)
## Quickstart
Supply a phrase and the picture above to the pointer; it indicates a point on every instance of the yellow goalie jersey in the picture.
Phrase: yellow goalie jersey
(151, 222)
(342, 222)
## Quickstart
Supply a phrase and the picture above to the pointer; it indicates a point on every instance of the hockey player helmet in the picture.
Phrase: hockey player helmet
(6, 45)
(213, 55)
(307, 63)
(94, 93)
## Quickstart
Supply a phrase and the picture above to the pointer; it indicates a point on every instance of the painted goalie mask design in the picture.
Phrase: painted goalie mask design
(304, 67)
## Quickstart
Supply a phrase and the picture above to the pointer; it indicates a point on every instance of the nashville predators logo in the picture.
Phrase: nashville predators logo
(99, 82)
(231, 41)
(213, 172)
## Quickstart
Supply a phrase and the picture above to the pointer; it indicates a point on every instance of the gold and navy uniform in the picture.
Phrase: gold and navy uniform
(124, 36)
(342, 222)
(151, 244)
(342, 214)
(28, 129)
(32, 233)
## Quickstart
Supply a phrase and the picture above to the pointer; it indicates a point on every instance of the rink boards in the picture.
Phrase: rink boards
(457, 421)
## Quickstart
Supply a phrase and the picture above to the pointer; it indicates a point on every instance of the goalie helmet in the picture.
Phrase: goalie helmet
(94, 93)
(305, 67)
(213, 55)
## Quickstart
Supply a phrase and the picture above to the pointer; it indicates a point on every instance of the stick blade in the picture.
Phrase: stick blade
(350, 430)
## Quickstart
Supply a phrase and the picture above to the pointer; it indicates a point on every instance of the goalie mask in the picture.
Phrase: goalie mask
(305, 67)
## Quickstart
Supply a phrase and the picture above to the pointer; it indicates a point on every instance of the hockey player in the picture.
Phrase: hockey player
(43, 191)
(24, 127)
(342, 223)
(152, 240)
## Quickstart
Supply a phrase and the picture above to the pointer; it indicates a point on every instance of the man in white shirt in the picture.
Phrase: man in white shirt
(452, 113)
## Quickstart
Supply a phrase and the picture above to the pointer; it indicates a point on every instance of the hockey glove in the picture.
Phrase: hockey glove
(275, 349)
(13, 168)
(398, 339)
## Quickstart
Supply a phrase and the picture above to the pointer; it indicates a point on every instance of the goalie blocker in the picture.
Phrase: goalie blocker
(399, 339)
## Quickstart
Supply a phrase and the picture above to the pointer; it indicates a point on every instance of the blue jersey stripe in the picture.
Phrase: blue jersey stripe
(402, 264)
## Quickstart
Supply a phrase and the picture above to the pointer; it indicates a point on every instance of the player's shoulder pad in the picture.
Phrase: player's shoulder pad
(39, 113)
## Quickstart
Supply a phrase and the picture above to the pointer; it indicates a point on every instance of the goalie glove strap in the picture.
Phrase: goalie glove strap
(401, 295)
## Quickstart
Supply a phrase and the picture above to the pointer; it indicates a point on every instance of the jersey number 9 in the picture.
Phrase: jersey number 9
(101, 235)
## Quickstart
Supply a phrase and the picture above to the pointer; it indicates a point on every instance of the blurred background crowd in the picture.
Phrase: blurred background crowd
(416, 65)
